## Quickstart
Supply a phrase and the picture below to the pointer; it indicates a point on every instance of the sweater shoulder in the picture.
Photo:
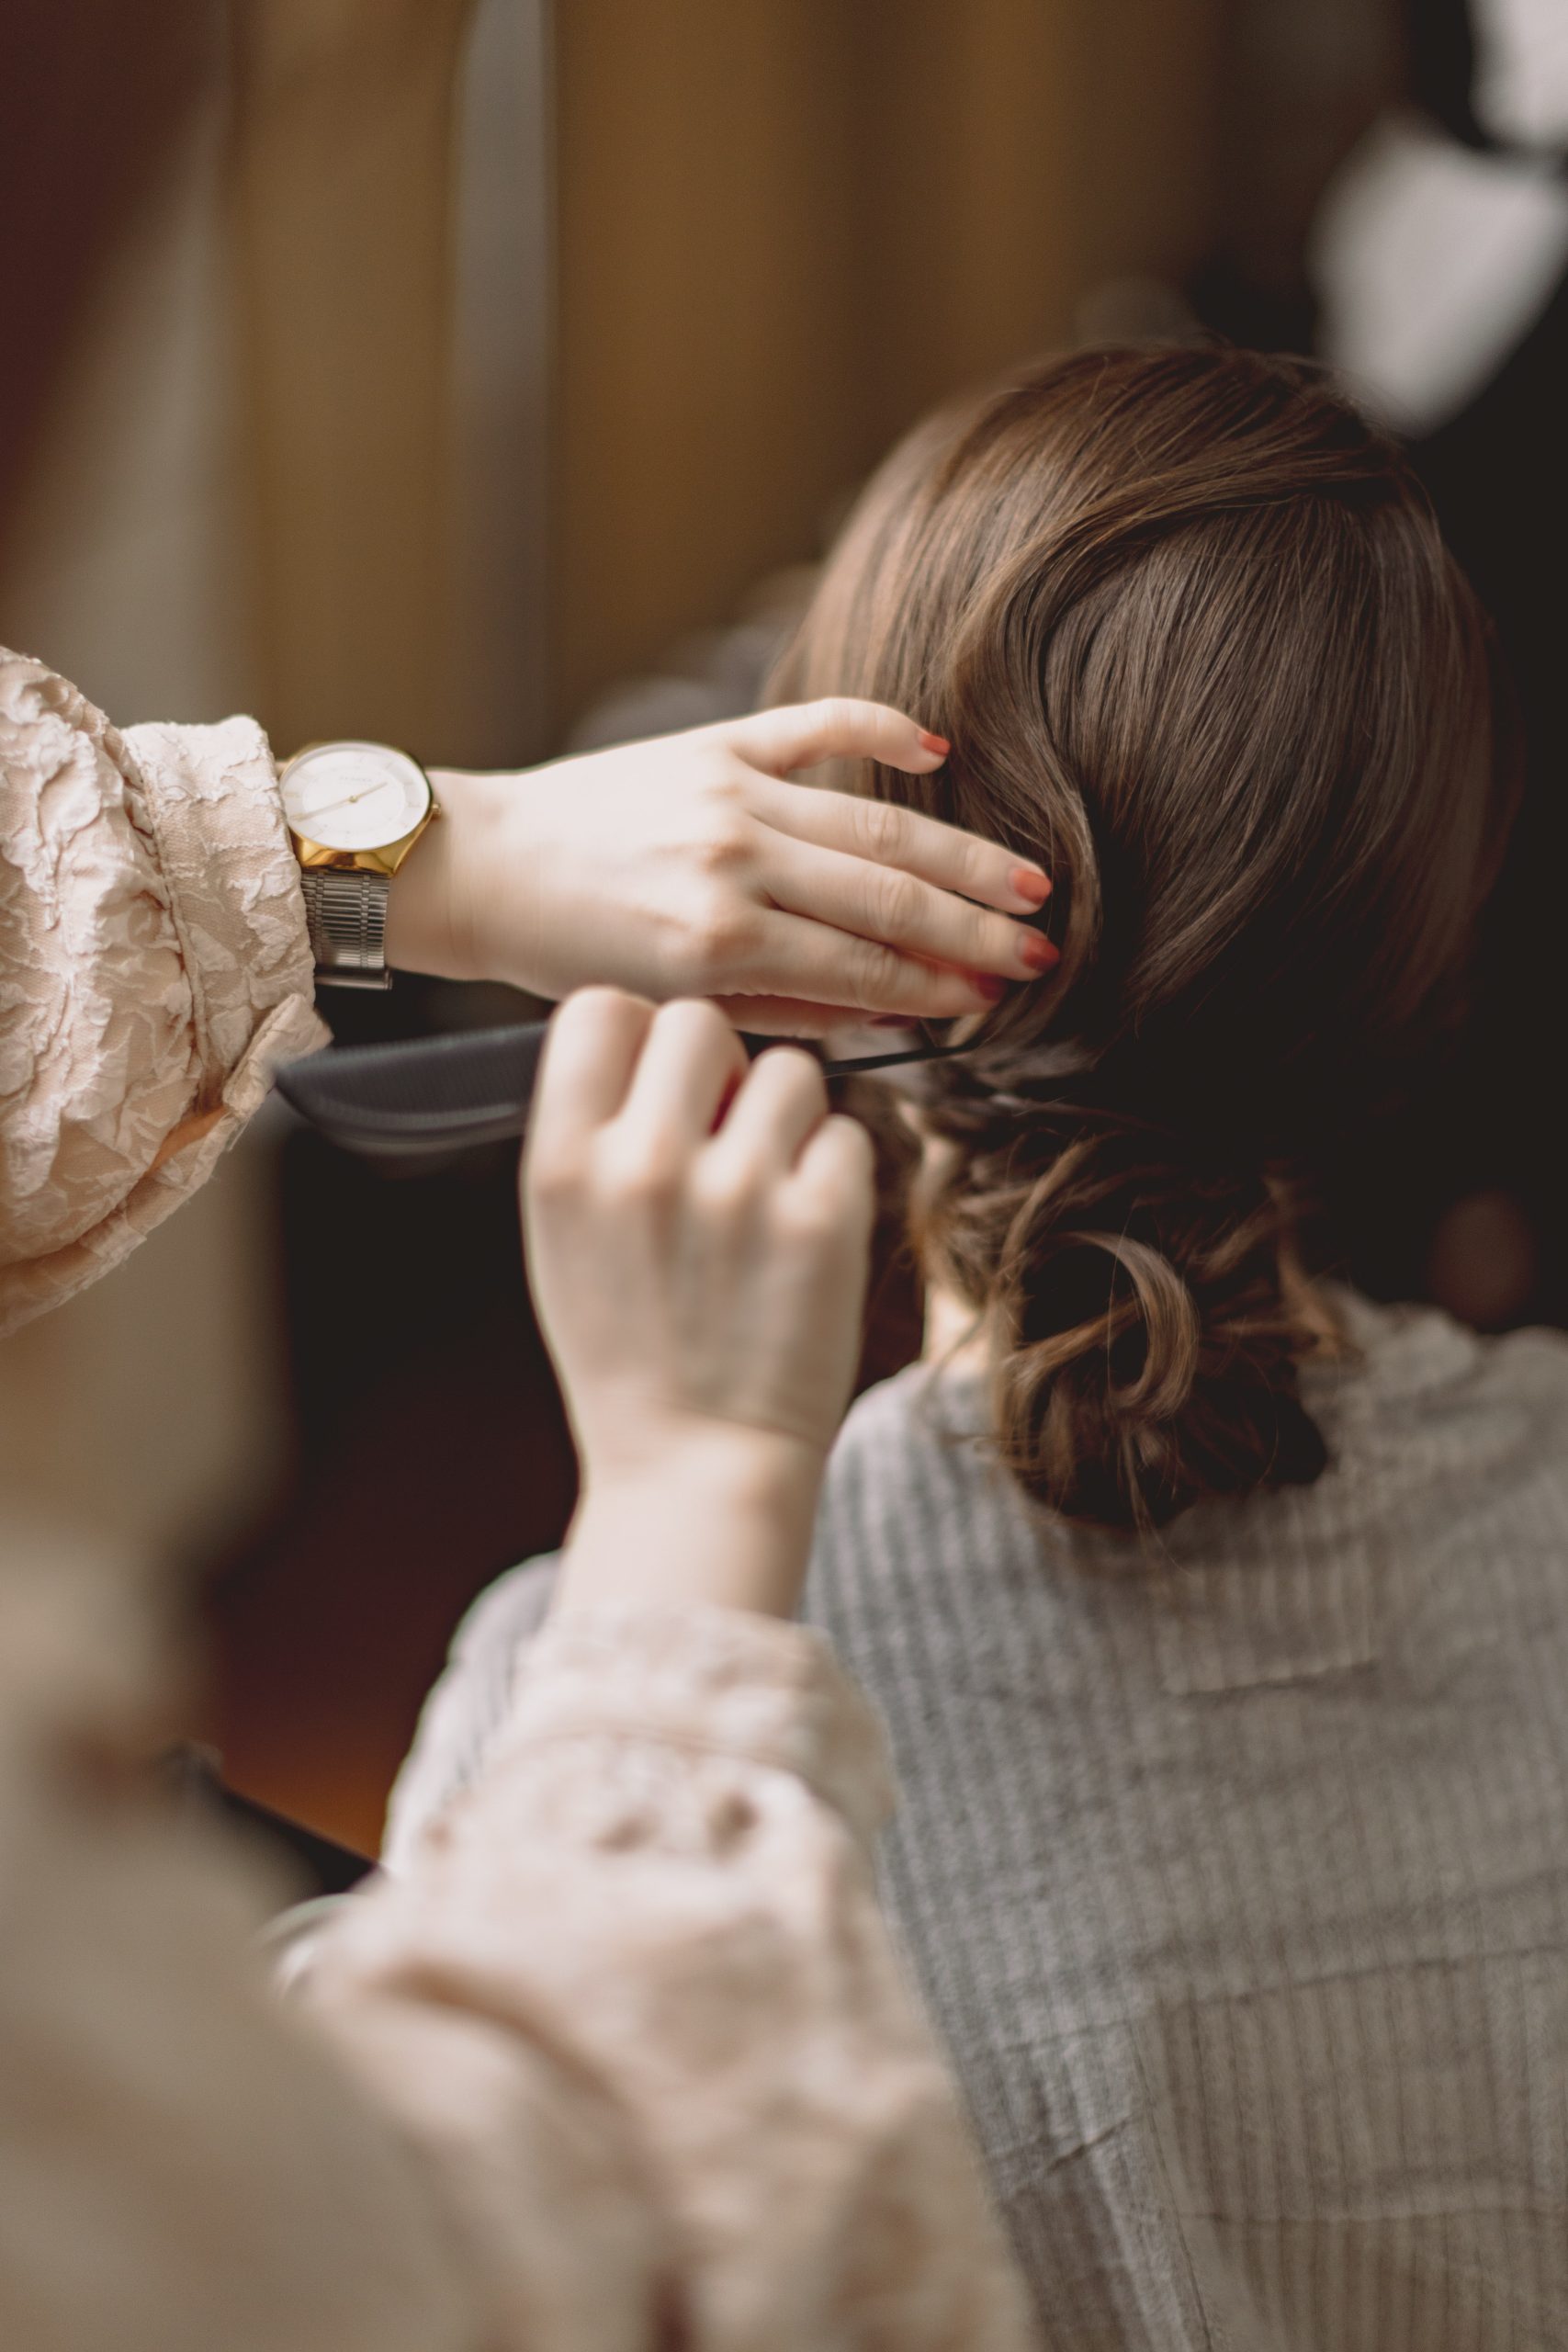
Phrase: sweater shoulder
(924, 1410)
(913, 1473)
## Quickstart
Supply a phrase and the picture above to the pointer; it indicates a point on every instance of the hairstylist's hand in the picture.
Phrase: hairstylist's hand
(697, 1237)
(689, 866)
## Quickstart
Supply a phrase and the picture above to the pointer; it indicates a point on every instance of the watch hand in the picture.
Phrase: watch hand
(348, 803)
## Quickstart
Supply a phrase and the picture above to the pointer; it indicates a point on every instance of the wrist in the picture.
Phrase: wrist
(433, 905)
(724, 1517)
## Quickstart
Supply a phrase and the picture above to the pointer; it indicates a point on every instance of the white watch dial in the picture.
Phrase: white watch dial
(355, 796)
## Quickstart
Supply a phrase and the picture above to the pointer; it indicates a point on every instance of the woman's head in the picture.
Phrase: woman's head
(1189, 623)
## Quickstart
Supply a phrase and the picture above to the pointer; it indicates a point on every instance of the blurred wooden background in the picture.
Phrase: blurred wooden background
(421, 369)
(785, 229)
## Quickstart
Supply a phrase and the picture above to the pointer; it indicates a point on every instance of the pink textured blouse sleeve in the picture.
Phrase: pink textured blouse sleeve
(155, 969)
(622, 2064)
(634, 1996)
(635, 2065)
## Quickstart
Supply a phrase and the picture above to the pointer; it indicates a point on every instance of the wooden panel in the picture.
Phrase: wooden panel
(784, 228)
(343, 143)
(91, 96)
(706, 390)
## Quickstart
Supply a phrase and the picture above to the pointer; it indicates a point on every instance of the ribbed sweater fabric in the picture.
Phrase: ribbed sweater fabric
(1235, 1872)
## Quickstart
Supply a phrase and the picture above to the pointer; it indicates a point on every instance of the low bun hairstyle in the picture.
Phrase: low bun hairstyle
(1191, 628)
(1144, 1305)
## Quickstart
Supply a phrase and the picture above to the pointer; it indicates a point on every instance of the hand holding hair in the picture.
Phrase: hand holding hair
(698, 1233)
(692, 865)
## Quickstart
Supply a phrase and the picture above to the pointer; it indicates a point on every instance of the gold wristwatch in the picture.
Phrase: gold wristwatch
(355, 810)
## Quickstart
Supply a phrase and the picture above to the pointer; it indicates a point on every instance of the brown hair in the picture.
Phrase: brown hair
(1189, 622)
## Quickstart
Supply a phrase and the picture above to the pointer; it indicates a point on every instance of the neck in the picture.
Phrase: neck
(953, 1333)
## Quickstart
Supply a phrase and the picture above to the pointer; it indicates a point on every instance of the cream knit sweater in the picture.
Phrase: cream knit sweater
(1234, 1871)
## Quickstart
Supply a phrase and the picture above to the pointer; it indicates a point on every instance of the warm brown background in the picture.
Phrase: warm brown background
(786, 228)
(753, 239)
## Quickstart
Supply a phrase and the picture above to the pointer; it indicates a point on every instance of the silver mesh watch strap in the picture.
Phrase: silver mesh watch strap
(347, 914)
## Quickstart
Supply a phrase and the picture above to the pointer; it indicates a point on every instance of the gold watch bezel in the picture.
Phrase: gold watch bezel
(389, 855)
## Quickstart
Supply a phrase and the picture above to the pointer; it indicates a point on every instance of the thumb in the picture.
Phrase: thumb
(799, 735)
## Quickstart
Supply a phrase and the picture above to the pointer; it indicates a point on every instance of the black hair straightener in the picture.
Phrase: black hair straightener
(473, 1086)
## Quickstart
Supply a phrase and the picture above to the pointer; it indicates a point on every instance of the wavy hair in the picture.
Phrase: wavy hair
(1191, 626)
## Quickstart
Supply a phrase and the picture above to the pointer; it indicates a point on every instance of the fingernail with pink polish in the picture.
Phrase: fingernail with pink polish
(938, 743)
(1029, 883)
(1038, 954)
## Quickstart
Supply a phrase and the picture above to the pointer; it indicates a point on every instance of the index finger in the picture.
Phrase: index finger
(590, 1057)
(840, 727)
(886, 834)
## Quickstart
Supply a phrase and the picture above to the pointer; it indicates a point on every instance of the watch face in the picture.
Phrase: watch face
(355, 796)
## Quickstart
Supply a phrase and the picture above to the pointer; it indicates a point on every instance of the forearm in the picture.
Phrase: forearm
(737, 1538)
(435, 907)
(645, 1949)
(657, 1887)
(729, 1524)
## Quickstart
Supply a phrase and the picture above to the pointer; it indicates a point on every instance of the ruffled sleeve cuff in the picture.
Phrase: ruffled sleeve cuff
(709, 1680)
(155, 970)
(216, 815)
